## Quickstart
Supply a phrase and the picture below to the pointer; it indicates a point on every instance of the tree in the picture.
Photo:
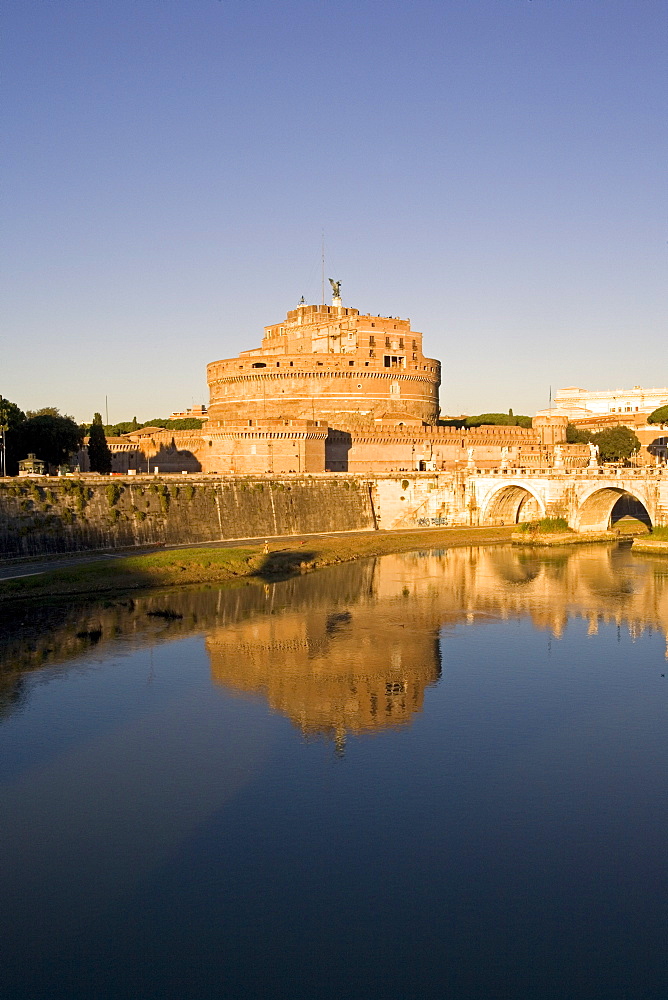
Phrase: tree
(51, 437)
(658, 416)
(576, 436)
(99, 455)
(11, 418)
(616, 444)
(45, 411)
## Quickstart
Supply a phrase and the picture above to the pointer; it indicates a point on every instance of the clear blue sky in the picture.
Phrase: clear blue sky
(493, 169)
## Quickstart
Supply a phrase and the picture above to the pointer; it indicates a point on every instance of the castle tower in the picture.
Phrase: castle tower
(328, 363)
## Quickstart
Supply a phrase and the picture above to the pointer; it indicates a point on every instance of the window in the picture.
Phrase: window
(401, 343)
(395, 687)
(372, 341)
(350, 364)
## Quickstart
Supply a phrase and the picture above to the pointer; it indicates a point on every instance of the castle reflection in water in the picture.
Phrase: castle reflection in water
(350, 649)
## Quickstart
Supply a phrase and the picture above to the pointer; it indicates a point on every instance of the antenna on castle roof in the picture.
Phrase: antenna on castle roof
(323, 268)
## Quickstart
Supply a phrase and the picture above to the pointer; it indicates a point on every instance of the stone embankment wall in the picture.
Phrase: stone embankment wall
(44, 515)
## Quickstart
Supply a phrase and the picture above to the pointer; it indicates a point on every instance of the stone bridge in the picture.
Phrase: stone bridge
(585, 498)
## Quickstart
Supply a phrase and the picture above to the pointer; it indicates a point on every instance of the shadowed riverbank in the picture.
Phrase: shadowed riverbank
(249, 563)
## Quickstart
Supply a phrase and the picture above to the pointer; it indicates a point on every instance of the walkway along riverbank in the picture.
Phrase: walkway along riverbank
(247, 564)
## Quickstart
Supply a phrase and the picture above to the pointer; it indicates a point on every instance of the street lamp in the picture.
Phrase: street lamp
(3, 427)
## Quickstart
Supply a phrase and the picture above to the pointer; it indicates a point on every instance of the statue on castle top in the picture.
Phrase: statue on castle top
(336, 288)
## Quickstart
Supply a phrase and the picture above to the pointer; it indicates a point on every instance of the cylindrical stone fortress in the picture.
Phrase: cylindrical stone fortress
(328, 363)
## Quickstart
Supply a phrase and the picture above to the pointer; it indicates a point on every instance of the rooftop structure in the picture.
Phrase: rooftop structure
(197, 412)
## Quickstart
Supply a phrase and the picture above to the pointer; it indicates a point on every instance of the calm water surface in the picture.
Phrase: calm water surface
(439, 774)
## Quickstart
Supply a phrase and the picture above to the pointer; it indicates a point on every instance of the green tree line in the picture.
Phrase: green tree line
(49, 434)
(658, 416)
(508, 419)
(615, 444)
(54, 437)
(127, 426)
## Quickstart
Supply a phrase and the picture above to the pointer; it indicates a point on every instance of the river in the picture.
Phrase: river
(439, 774)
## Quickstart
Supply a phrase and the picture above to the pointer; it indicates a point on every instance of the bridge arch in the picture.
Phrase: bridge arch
(512, 503)
(595, 511)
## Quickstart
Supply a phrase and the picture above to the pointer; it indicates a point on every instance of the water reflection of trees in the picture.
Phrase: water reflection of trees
(354, 647)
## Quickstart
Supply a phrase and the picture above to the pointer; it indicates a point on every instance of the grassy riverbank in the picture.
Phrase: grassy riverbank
(222, 565)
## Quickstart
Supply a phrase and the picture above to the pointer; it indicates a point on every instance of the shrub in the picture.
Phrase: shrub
(114, 491)
(545, 526)
(660, 533)
(80, 498)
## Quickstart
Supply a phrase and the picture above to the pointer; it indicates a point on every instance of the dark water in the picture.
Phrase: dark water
(429, 775)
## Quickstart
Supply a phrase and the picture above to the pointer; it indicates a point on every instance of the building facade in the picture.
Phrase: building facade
(583, 402)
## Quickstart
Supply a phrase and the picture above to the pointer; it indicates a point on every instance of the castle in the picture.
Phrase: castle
(333, 390)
